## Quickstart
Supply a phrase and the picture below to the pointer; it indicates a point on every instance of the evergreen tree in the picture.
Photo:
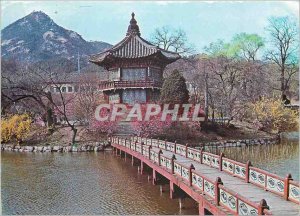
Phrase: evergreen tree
(174, 90)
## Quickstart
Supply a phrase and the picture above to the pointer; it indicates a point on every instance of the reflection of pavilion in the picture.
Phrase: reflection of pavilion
(135, 68)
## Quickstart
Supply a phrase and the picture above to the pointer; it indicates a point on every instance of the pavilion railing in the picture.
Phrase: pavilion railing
(106, 85)
(285, 187)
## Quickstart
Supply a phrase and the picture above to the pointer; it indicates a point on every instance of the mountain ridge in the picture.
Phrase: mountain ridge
(36, 37)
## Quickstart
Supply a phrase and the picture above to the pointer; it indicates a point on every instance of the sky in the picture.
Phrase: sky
(203, 21)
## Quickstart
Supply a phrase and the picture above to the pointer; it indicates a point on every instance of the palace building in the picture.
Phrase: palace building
(135, 68)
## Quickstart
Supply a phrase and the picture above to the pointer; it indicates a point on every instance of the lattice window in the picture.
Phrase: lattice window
(132, 96)
(134, 73)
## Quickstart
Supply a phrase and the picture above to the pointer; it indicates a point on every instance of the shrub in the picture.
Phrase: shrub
(271, 115)
(16, 127)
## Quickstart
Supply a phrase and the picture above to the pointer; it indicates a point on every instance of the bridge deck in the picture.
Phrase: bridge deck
(278, 206)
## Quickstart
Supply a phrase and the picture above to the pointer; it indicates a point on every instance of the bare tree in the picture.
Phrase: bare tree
(285, 45)
(172, 39)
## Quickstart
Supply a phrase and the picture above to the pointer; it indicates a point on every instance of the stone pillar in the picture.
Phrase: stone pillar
(132, 160)
(172, 190)
(180, 203)
(161, 189)
(201, 208)
(154, 177)
(142, 167)
(125, 156)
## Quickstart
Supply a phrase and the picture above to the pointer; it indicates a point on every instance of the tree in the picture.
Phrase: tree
(174, 90)
(284, 36)
(172, 39)
(247, 45)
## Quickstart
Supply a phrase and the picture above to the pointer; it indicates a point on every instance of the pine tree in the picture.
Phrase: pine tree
(174, 90)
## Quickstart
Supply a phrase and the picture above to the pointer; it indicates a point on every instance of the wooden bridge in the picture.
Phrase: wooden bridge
(220, 185)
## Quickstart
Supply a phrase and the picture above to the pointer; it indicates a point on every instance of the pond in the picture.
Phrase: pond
(280, 159)
(80, 183)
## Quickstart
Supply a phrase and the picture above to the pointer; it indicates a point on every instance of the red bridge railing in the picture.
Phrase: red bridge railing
(221, 195)
(107, 85)
(285, 187)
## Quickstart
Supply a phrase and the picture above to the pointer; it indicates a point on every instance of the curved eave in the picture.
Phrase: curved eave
(106, 58)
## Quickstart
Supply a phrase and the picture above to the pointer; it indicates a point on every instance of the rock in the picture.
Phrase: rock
(74, 149)
(56, 149)
(29, 148)
(83, 149)
(67, 148)
(39, 148)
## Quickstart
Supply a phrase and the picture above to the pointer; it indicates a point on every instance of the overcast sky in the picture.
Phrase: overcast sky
(204, 22)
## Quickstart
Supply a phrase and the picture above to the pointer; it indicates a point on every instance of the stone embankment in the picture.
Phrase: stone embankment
(80, 148)
(241, 143)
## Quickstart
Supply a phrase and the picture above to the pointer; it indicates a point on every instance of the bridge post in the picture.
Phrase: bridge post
(286, 186)
(125, 155)
(220, 161)
(201, 152)
(217, 194)
(186, 150)
(248, 164)
(149, 152)
(262, 206)
(175, 147)
(172, 163)
(135, 145)
(190, 174)
(142, 144)
(159, 153)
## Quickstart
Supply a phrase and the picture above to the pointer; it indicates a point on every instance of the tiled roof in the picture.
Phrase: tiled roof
(133, 46)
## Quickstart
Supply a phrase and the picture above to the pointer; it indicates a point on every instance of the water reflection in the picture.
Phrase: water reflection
(79, 183)
(280, 159)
